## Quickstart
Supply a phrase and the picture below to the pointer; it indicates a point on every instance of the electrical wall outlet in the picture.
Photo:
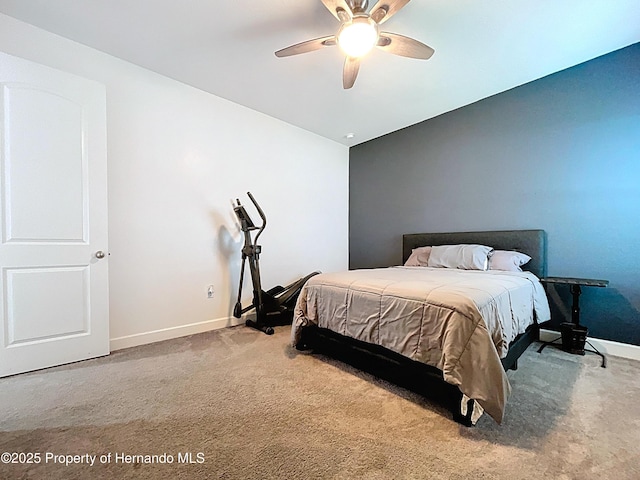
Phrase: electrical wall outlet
(210, 291)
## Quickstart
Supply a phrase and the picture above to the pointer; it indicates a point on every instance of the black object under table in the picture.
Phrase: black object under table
(574, 335)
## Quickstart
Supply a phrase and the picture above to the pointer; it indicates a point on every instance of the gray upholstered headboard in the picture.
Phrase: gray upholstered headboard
(531, 242)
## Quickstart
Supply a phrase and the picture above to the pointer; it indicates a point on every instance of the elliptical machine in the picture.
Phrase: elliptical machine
(275, 306)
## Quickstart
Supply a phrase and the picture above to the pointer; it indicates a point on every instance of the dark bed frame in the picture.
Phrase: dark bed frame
(416, 376)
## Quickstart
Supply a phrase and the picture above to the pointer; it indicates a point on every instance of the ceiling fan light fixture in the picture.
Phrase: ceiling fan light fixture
(358, 37)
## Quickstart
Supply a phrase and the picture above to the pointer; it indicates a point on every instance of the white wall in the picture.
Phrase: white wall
(177, 157)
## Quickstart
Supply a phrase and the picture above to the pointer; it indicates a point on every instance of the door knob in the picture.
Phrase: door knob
(99, 254)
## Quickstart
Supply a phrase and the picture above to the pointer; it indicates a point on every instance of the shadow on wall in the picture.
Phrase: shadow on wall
(604, 311)
(227, 247)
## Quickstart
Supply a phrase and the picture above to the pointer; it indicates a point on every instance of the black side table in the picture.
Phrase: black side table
(575, 287)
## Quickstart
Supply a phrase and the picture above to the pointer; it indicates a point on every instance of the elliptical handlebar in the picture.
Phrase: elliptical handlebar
(262, 216)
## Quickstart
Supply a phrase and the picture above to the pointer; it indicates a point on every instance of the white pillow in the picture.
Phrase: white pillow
(467, 257)
(508, 261)
(419, 257)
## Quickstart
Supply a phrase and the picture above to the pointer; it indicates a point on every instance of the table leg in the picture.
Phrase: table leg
(575, 307)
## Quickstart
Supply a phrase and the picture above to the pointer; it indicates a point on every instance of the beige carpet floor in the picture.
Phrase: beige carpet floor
(237, 404)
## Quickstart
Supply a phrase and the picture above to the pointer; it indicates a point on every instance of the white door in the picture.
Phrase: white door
(54, 305)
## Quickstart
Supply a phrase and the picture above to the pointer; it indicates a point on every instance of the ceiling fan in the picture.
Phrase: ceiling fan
(359, 32)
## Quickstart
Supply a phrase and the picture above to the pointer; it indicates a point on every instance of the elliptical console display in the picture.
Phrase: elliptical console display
(275, 306)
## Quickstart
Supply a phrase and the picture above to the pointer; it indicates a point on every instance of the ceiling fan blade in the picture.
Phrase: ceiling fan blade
(308, 46)
(404, 46)
(385, 9)
(339, 8)
(350, 71)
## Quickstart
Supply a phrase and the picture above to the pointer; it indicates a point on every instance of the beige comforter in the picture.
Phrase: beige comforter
(459, 321)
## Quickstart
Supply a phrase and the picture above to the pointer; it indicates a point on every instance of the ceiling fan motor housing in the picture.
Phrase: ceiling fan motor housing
(358, 6)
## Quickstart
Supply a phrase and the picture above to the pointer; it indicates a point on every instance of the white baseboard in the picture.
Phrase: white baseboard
(173, 332)
(608, 347)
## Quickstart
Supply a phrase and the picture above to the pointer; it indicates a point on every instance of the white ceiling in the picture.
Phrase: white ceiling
(227, 47)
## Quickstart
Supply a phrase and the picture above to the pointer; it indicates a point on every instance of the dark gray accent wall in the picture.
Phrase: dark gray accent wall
(561, 154)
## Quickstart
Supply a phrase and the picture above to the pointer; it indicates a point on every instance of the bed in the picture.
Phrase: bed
(469, 326)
